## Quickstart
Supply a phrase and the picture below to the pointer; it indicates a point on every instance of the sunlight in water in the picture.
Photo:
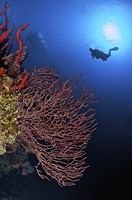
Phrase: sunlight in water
(110, 25)
(112, 32)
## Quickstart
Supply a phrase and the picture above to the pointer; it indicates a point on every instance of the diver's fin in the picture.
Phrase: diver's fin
(114, 49)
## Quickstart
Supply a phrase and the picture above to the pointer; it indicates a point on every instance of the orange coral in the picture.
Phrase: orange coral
(4, 27)
(3, 36)
(19, 77)
(5, 8)
(21, 84)
(2, 71)
(1, 27)
(20, 46)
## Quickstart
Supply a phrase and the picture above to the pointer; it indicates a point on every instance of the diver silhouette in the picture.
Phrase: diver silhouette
(95, 53)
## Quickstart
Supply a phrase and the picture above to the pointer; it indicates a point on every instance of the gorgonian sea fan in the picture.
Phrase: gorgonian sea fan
(55, 125)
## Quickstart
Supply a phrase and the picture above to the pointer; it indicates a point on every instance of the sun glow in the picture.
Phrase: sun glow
(112, 32)
(110, 25)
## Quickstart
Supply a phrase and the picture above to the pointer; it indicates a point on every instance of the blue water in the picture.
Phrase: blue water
(60, 34)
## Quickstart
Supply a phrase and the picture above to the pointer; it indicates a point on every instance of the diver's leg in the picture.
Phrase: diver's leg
(109, 53)
(113, 49)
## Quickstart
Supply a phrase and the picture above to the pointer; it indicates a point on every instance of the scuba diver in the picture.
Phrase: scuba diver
(95, 53)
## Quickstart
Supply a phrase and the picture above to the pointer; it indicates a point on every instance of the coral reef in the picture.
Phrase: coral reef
(40, 114)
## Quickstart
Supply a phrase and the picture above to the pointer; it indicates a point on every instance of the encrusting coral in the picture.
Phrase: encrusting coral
(9, 119)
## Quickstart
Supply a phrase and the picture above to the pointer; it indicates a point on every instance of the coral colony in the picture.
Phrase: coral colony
(40, 114)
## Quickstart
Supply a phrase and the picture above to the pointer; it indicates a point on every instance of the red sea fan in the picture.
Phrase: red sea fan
(55, 126)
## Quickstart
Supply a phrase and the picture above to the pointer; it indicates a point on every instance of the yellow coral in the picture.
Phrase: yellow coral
(9, 119)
